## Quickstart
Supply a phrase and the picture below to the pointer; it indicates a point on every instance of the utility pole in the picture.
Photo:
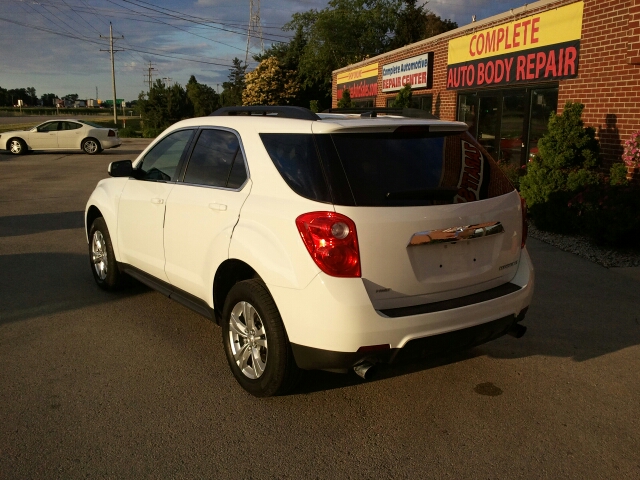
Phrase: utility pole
(113, 72)
(149, 80)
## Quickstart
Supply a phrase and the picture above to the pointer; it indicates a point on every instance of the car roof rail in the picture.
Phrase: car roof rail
(375, 111)
(299, 113)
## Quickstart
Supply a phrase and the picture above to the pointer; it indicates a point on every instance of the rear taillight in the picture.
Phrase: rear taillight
(525, 228)
(332, 242)
(111, 133)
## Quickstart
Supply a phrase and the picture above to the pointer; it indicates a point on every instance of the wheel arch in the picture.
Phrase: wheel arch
(15, 137)
(91, 138)
(93, 212)
(229, 273)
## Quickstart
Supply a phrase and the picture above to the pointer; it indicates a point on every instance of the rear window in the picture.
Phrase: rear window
(396, 169)
(91, 124)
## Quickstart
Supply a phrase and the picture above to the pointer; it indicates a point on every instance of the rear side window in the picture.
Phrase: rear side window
(216, 160)
(296, 158)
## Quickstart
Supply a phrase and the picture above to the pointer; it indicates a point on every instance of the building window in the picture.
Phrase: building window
(508, 123)
(364, 103)
(423, 102)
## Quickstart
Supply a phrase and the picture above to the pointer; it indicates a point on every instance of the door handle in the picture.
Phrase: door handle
(217, 206)
(157, 201)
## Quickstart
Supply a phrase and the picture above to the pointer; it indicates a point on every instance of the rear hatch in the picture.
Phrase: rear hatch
(436, 219)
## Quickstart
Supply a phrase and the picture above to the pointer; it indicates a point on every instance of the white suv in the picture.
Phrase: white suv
(319, 241)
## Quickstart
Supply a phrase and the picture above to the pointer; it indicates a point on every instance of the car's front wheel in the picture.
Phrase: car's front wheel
(255, 341)
(91, 146)
(17, 146)
(103, 261)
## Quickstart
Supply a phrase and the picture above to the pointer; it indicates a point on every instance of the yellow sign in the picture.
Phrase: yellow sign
(552, 27)
(358, 74)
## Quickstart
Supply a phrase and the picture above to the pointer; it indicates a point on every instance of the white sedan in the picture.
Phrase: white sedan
(64, 134)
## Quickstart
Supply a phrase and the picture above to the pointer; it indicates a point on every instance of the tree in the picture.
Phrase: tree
(269, 84)
(162, 107)
(204, 98)
(403, 98)
(288, 55)
(71, 96)
(232, 90)
(48, 99)
(415, 23)
(345, 32)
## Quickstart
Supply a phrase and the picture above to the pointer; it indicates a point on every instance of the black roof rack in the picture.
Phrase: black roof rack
(375, 111)
(299, 113)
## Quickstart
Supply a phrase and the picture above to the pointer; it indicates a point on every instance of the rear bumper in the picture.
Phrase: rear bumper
(109, 143)
(332, 318)
(310, 358)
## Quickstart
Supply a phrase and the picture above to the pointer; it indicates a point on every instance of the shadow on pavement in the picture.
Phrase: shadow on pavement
(35, 284)
(40, 222)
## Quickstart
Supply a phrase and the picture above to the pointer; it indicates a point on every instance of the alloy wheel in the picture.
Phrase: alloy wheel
(99, 255)
(90, 146)
(15, 147)
(248, 340)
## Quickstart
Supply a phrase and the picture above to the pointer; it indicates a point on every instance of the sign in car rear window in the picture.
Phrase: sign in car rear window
(541, 47)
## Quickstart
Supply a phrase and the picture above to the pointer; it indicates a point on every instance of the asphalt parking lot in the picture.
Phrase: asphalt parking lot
(133, 385)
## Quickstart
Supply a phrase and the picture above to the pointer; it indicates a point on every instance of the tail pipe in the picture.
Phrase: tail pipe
(364, 370)
(517, 330)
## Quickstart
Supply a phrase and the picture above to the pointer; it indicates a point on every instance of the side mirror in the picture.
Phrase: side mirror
(122, 168)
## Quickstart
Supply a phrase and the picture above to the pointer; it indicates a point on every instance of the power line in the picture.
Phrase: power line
(84, 39)
(178, 28)
(192, 19)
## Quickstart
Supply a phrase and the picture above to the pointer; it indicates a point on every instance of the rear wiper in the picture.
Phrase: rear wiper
(438, 193)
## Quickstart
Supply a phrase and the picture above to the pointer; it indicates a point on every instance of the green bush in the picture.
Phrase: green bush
(403, 98)
(129, 132)
(567, 163)
(609, 214)
(150, 132)
(345, 101)
(618, 174)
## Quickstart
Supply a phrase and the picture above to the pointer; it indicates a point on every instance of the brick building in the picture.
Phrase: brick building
(504, 75)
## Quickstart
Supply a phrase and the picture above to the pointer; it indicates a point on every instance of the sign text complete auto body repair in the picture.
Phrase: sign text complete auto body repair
(416, 71)
(536, 48)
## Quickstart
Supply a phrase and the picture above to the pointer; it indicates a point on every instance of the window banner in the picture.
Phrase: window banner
(361, 82)
(541, 47)
(416, 71)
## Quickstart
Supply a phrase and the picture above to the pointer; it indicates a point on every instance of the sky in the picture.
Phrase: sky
(56, 46)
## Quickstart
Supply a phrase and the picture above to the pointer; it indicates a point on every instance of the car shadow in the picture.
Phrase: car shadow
(317, 381)
(15, 225)
(35, 284)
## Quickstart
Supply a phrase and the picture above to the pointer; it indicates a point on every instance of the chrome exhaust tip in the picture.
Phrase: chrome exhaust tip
(364, 370)
(517, 330)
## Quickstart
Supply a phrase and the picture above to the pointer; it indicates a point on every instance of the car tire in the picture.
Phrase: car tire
(91, 146)
(101, 258)
(17, 146)
(256, 342)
